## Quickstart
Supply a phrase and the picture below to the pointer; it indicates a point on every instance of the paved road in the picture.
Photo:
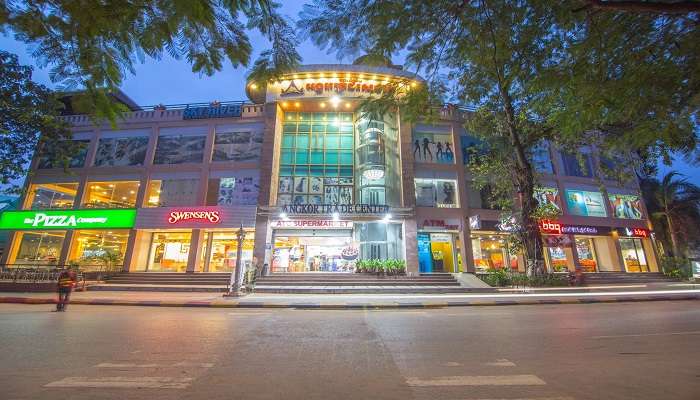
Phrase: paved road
(603, 351)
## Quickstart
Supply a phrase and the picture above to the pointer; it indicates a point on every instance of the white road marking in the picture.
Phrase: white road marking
(452, 364)
(532, 398)
(501, 363)
(647, 334)
(486, 380)
(124, 382)
(153, 365)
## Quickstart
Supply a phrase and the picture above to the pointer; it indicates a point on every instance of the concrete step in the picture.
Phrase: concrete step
(378, 282)
(157, 288)
(364, 289)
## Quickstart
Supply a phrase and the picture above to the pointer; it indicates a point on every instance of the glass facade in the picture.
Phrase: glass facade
(180, 149)
(441, 193)
(169, 251)
(585, 251)
(52, 195)
(116, 194)
(237, 146)
(121, 151)
(633, 255)
(39, 248)
(573, 167)
(223, 250)
(316, 159)
(490, 252)
(91, 248)
(172, 192)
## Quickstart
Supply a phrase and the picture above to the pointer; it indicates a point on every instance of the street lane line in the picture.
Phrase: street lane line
(530, 398)
(486, 380)
(153, 365)
(501, 363)
(193, 364)
(452, 364)
(647, 334)
(123, 382)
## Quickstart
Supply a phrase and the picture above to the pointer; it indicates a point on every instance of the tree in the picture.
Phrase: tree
(662, 7)
(28, 120)
(625, 86)
(92, 45)
(674, 206)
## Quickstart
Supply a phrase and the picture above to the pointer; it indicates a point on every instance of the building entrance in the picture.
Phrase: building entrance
(436, 253)
(314, 254)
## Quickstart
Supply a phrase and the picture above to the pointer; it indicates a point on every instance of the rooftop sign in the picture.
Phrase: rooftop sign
(68, 219)
(212, 111)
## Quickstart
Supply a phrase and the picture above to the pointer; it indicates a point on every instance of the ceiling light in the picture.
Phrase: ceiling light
(335, 100)
(297, 104)
(323, 105)
(253, 86)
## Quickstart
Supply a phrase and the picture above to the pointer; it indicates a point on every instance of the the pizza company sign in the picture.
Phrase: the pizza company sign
(71, 219)
(178, 216)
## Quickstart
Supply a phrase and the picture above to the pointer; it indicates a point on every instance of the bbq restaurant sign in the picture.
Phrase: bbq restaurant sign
(67, 219)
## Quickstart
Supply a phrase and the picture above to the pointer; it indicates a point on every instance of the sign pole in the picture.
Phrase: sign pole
(235, 283)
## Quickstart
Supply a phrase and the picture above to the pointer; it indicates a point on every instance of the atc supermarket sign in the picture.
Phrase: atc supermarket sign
(67, 219)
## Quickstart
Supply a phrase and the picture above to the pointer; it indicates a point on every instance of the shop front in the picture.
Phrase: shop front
(490, 250)
(88, 238)
(439, 246)
(578, 247)
(636, 250)
(192, 239)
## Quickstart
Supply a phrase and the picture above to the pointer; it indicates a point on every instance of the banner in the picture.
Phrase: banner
(68, 219)
(627, 206)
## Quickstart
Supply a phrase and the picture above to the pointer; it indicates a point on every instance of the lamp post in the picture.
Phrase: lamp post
(235, 282)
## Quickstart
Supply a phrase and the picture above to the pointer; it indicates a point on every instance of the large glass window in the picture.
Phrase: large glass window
(557, 259)
(99, 249)
(584, 203)
(39, 248)
(541, 159)
(573, 167)
(316, 159)
(433, 147)
(237, 146)
(52, 195)
(441, 193)
(121, 151)
(171, 192)
(633, 255)
(48, 158)
(481, 198)
(585, 251)
(379, 240)
(490, 252)
(117, 194)
(180, 149)
(224, 249)
(169, 252)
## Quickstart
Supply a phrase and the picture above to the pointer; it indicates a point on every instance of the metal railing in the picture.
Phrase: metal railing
(33, 273)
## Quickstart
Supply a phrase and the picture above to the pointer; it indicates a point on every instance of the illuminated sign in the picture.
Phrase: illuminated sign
(311, 224)
(68, 219)
(335, 208)
(634, 232)
(556, 228)
(441, 223)
(178, 216)
(213, 111)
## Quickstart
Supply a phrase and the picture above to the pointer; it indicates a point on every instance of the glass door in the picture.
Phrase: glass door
(585, 251)
(633, 255)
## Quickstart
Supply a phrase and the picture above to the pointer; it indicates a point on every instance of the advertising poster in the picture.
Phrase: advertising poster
(587, 204)
(626, 206)
(547, 195)
(433, 148)
(240, 190)
(425, 193)
(446, 194)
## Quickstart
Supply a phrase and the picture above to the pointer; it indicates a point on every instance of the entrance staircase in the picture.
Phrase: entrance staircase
(166, 282)
(622, 278)
(341, 283)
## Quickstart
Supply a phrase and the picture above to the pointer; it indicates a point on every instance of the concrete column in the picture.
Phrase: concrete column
(466, 251)
(263, 236)
(411, 240)
(129, 253)
(195, 250)
(65, 250)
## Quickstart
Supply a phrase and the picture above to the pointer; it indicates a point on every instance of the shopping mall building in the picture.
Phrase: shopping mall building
(313, 185)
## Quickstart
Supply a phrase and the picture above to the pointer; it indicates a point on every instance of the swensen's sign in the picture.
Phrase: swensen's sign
(357, 209)
(311, 224)
(77, 219)
(177, 216)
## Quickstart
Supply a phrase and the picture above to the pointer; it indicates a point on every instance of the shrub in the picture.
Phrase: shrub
(503, 278)
(676, 267)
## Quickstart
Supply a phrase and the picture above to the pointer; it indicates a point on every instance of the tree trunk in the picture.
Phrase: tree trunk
(672, 235)
(524, 180)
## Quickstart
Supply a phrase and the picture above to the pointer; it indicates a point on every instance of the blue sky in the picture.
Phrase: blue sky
(170, 81)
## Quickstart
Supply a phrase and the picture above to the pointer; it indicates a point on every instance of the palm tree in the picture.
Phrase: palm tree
(674, 206)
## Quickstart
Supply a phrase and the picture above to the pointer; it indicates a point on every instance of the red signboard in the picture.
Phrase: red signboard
(209, 216)
(439, 223)
(634, 232)
(552, 227)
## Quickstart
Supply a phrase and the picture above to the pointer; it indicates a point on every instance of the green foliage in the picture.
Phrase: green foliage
(376, 266)
(92, 45)
(676, 267)
(504, 278)
(27, 110)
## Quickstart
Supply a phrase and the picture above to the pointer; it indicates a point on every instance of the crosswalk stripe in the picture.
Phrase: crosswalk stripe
(146, 382)
(486, 380)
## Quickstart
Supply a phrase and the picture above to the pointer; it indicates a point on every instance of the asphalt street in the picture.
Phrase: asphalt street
(647, 350)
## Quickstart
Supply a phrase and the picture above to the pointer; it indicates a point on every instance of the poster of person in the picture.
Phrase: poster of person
(284, 199)
(433, 148)
(285, 184)
(316, 199)
(315, 185)
(446, 194)
(345, 194)
(627, 206)
(300, 199)
(241, 190)
(547, 195)
(331, 195)
(301, 185)
(587, 204)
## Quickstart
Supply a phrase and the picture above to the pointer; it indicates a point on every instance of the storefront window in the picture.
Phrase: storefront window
(180, 149)
(490, 252)
(433, 147)
(313, 254)
(172, 192)
(52, 195)
(573, 167)
(97, 249)
(557, 259)
(441, 193)
(633, 255)
(39, 248)
(585, 251)
(224, 249)
(237, 146)
(379, 240)
(436, 253)
(117, 194)
(316, 159)
(169, 252)
(121, 151)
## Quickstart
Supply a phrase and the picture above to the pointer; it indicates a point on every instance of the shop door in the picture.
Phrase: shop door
(425, 257)
(633, 255)
(441, 251)
(314, 254)
(585, 251)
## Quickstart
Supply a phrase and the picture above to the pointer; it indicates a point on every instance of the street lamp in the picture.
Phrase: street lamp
(235, 282)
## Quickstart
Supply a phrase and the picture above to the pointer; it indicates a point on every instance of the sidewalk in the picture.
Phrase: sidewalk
(358, 301)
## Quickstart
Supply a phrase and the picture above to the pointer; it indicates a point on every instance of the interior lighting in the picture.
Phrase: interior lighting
(413, 84)
(374, 77)
(297, 104)
(334, 100)
(336, 216)
(284, 216)
(323, 105)
(285, 104)
(253, 86)
(347, 105)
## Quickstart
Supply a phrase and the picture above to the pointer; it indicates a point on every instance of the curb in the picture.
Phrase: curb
(353, 306)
